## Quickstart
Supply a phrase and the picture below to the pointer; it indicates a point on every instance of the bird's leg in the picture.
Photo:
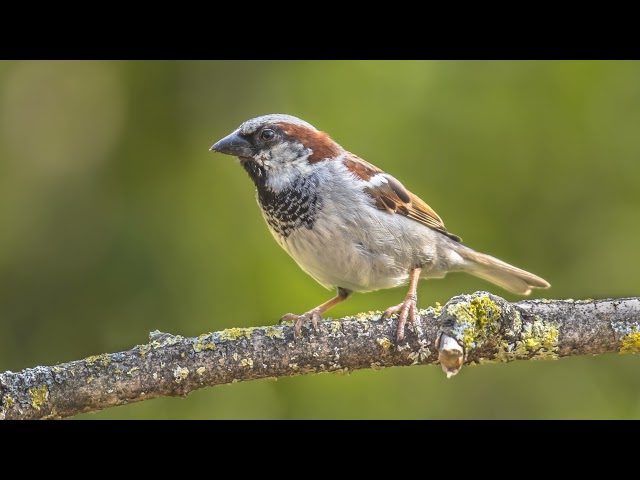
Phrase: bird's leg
(408, 308)
(315, 314)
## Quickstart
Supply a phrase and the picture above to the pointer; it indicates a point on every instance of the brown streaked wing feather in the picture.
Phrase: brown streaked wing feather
(359, 167)
(394, 197)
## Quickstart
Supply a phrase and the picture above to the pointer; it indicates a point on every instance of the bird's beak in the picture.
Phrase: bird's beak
(233, 144)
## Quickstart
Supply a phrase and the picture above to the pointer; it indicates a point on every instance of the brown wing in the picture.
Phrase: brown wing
(390, 195)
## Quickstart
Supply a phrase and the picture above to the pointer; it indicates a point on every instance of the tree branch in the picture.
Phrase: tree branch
(477, 328)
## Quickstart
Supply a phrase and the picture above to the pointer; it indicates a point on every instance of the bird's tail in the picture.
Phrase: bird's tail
(496, 271)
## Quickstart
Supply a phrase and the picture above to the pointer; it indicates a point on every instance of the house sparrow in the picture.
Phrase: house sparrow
(347, 223)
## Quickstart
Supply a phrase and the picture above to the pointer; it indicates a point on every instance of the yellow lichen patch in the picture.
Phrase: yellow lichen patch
(144, 349)
(90, 379)
(273, 332)
(631, 342)
(235, 333)
(246, 362)
(437, 308)
(118, 370)
(539, 338)
(477, 318)
(235, 356)
(200, 345)
(335, 328)
(133, 370)
(8, 402)
(384, 343)
(367, 316)
(39, 396)
(201, 370)
(180, 373)
(104, 360)
(91, 360)
(504, 353)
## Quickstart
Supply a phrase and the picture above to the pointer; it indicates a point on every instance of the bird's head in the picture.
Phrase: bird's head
(276, 148)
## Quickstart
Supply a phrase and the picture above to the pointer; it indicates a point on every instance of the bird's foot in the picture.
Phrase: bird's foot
(407, 310)
(315, 315)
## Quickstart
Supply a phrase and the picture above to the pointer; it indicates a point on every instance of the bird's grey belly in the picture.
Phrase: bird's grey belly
(358, 259)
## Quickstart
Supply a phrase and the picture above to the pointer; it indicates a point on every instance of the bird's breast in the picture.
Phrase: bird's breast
(331, 228)
(291, 208)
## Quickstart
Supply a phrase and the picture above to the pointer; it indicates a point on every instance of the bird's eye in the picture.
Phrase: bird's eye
(267, 135)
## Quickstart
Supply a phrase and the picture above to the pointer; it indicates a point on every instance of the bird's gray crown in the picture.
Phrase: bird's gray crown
(250, 126)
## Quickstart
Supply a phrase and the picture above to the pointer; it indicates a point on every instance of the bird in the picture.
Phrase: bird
(350, 225)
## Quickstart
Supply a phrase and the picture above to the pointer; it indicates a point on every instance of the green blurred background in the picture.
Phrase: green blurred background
(116, 220)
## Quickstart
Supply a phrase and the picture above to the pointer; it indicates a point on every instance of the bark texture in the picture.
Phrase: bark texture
(479, 328)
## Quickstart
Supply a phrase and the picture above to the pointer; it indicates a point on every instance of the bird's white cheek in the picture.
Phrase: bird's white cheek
(281, 176)
(279, 179)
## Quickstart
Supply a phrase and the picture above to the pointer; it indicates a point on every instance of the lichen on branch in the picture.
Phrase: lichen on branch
(470, 329)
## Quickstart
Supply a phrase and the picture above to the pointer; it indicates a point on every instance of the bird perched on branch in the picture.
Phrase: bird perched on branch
(347, 223)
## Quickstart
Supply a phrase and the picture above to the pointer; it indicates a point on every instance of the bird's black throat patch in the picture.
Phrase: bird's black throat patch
(255, 170)
(291, 208)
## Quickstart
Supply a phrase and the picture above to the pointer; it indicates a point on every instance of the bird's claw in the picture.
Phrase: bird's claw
(407, 310)
(314, 315)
